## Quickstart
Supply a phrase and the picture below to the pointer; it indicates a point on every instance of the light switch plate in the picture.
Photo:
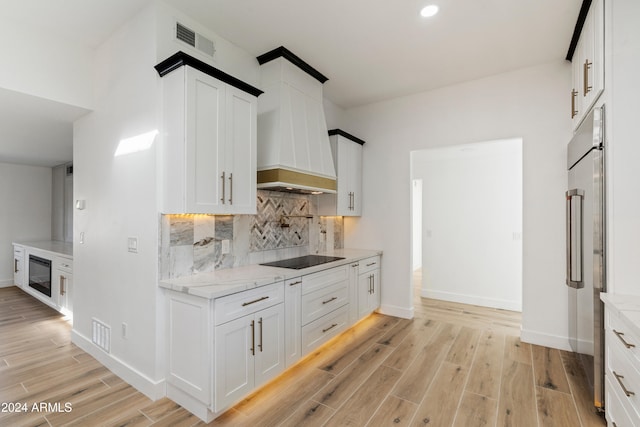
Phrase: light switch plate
(132, 244)
(225, 247)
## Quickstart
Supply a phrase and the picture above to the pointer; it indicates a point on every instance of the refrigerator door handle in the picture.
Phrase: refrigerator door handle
(574, 199)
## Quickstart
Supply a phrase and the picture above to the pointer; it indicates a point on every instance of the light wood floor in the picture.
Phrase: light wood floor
(453, 364)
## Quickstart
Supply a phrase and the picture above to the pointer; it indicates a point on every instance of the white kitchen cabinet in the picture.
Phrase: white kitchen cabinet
(353, 292)
(62, 276)
(368, 286)
(248, 352)
(209, 142)
(19, 276)
(292, 320)
(347, 157)
(588, 64)
(622, 370)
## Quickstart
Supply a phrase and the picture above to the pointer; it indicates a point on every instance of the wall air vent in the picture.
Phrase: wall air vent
(69, 170)
(193, 39)
(101, 335)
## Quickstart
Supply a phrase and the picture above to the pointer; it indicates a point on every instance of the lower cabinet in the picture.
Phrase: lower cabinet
(62, 274)
(18, 266)
(248, 352)
(292, 320)
(368, 286)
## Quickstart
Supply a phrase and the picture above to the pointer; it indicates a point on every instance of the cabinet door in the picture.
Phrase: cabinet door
(364, 294)
(18, 271)
(375, 290)
(205, 121)
(269, 343)
(344, 189)
(292, 320)
(240, 152)
(234, 360)
(65, 290)
(355, 178)
(353, 293)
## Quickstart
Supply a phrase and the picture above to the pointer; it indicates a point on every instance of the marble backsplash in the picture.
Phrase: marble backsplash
(284, 226)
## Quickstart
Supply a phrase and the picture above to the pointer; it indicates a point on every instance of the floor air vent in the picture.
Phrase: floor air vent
(193, 39)
(101, 335)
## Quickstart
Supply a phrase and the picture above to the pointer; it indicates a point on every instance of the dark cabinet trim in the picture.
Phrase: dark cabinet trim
(346, 135)
(582, 16)
(294, 59)
(180, 58)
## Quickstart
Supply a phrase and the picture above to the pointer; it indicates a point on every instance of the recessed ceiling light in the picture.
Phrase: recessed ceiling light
(429, 11)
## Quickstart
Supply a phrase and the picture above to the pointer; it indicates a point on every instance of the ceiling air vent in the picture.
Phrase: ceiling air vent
(194, 39)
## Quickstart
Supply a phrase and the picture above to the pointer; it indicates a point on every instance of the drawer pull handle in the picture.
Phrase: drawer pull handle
(355, 265)
(620, 378)
(619, 335)
(15, 265)
(253, 338)
(329, 300)
(330, 327)
(244, 304)
(370, 264)
(295, 283)
(260, 345)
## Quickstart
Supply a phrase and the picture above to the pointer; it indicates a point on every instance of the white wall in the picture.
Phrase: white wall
(25, 211)
(45, 66)
(110, 283)
(530, 103)
(472, 223)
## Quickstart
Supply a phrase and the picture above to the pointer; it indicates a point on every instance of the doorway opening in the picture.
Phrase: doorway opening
(467, 223)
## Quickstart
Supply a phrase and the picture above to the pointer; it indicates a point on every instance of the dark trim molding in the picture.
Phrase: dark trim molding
(582, 16)
(180, 58)
(346, 135)
(294, 59)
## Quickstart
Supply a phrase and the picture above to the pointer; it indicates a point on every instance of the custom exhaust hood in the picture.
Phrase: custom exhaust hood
(294, 153)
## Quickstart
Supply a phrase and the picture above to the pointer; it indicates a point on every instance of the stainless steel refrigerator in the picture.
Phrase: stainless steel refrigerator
(585, 211)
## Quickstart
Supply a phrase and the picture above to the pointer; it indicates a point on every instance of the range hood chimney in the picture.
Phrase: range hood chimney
(294, 153)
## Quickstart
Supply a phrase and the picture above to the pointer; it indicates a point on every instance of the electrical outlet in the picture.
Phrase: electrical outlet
(124, 330)
(225, 247)
(132, 244)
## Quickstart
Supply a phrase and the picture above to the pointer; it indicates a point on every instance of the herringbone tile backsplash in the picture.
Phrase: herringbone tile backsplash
(284, 226)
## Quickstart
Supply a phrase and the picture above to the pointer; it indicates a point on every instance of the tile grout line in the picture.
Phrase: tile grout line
(464, 388)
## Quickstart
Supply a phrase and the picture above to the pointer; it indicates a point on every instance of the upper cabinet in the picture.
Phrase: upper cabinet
(209, 155)
(588, 64)
(347, 156)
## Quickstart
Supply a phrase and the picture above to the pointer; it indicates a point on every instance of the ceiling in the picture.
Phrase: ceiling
(370, 50)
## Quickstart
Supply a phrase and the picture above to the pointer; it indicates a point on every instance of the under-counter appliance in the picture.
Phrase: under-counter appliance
(40, 274)
(585, 216)
(305, 261)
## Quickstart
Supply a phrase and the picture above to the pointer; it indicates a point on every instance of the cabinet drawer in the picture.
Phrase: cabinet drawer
(237, 305)
(322, 279)
(618, 410)
(323, 329)
(369, 264)
(18, 251)
(623, 375)
(64, 264)
(621, 336)
(317, 304)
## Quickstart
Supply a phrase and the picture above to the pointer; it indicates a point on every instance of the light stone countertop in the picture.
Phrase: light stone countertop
(229, 281)
(52, 246)
(627, 307)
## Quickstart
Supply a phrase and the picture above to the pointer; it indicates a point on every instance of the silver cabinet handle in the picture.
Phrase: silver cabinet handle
(574, 238)
(223, 186)
(329, 328)
(62, 283)
(620, 378)
(329, 300)
(297, 282)
(355, 265)
(15, 265)
(585, 78)
(260, 345)
(230, 188)
(253, 338)
(244, 304)
(371, 263)
(620, 335)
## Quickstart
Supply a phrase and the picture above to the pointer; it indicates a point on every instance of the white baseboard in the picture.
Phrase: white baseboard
(473, 300)
(395, 311)
(6, 283)
(547, 340)
(154, 390)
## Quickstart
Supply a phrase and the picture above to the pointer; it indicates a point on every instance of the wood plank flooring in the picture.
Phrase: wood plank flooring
(452, 365)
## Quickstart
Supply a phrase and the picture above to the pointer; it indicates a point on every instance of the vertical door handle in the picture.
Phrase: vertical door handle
(231, 188)
(574, 199)
(223, 185)
(253, 338)
(574, 112)
(586, 88)
(260, 323)
(62, 283)
(15, 265)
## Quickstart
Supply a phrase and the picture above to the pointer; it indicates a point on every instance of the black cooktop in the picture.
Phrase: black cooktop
(303, 261)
